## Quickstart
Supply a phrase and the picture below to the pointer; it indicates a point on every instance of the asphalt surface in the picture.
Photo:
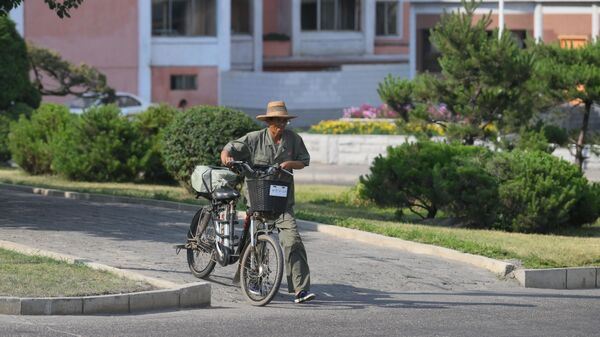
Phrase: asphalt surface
(363, 290)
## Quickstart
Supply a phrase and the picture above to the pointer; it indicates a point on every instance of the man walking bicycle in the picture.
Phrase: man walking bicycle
(277, 145)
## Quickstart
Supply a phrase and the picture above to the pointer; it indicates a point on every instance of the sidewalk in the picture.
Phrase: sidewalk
(348, 175)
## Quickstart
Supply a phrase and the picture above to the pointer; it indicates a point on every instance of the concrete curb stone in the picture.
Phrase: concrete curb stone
(175, 296)
(530, 278)
(500, 268)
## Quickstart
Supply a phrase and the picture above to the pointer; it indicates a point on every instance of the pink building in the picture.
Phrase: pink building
(318, 55)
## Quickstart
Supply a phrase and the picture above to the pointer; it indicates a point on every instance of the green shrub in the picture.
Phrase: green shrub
(555, 134)
(197, 136)
(470, 193)
(6, 117)
(4, 130)
(541, 193)
(31, 140)
(101, 145)
(432, 176)
(151, 125)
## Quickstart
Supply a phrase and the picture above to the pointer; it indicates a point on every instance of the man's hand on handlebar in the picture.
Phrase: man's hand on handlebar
(292, 165)
(226, 158)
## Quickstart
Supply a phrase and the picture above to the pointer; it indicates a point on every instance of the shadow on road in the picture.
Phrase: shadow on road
(344, 296)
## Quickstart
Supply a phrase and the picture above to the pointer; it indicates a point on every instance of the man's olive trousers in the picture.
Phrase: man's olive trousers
(296, 262)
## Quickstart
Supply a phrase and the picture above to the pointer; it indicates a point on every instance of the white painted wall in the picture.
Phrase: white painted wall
(183, 51)
(362, 149)
(242, 52)
(351, 86)
(332, 43)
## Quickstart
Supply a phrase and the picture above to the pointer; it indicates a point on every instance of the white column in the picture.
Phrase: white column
(500, 17)
(258, 34)
(538, 23)
(224, 34)
(296, 28)
(595, 23)
(144, 50)
(18, 16)
(412, 43)
(368, 25)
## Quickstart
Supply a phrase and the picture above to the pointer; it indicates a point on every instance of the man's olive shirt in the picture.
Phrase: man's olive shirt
(258, 148)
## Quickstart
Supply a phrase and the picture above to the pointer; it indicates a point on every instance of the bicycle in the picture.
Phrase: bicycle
(211, 238)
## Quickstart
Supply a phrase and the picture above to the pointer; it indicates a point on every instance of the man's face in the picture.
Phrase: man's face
(276, 125)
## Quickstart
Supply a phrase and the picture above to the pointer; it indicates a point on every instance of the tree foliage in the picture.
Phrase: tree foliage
(61, 7)
(57, 77)
(486, 78)
(573, 77)
(15, 86)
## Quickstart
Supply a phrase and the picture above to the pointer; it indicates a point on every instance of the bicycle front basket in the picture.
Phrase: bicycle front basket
(268, 195)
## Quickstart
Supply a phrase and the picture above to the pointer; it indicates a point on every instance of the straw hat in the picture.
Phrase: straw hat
(275, 109)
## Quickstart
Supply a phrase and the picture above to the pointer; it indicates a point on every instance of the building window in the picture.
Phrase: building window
(429, 54)
(183, 82)
(386, 22)
(240, 16)
(184, 18)
(330, 15)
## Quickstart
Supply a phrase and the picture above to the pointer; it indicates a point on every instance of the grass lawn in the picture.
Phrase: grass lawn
(35, 276)
(334, 205)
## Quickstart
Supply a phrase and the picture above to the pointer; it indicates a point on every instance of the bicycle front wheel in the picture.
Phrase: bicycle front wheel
(262, 270)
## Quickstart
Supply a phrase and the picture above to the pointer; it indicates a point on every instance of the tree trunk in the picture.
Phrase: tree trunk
(431, 212)
(579, 157)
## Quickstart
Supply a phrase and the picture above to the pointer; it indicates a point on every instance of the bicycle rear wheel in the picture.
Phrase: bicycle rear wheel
(201, 259)
(262, 270)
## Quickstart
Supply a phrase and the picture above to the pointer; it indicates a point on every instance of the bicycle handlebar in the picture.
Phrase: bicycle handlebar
(267, 170)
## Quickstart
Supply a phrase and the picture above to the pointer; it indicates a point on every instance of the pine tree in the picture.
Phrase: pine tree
(573, 76)
(485, 78)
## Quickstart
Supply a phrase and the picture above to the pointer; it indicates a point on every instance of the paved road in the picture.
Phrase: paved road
(363, 290)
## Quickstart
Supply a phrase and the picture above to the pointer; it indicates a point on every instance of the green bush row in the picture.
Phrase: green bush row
(103, 145)
(522, 191)
(98, 145)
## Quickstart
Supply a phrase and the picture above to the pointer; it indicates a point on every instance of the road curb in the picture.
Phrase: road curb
(559, 278)
(500, 268)
(170, 296)
(579, 278)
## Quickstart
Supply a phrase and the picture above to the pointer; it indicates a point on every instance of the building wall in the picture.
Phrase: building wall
(556, 25)
(207, 85)
(103, 34)
(316, 95)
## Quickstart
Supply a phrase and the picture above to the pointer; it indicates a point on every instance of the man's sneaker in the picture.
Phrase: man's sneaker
(304, 296)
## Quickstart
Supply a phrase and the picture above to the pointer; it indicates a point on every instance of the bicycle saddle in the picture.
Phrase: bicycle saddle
(225, 193)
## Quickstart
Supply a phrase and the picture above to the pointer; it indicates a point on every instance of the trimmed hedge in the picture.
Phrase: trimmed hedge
(541, 193)
(101, 145)
(431, 177)
(150, 125)
(197, 135)
(31, 141)
(521, 191)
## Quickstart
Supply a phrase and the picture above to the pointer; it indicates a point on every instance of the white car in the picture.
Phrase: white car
(129, 104)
